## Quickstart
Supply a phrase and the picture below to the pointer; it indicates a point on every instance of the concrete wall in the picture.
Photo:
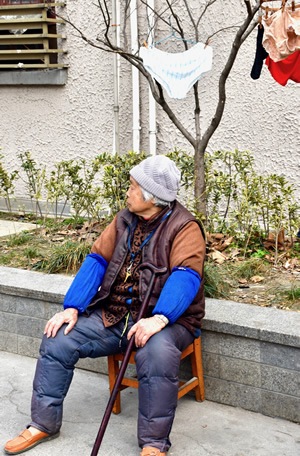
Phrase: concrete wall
(251, 354)
(76, 119)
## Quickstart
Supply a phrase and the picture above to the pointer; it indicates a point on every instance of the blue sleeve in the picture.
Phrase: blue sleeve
(86, 282)
(178, 293)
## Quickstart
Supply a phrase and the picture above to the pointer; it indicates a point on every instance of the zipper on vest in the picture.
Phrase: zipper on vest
(125, 328)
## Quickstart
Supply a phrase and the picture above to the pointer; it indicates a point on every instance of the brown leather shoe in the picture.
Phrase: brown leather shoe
(151, 451)
(25, 441)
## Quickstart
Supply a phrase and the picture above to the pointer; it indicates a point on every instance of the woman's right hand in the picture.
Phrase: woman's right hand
(69, 316)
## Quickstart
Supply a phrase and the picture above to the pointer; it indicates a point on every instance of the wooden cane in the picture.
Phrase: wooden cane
(154, 273)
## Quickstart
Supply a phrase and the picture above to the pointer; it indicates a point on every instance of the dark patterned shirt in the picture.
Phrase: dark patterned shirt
(124, 294)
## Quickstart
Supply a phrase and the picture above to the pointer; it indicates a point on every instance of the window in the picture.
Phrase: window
(31, 36)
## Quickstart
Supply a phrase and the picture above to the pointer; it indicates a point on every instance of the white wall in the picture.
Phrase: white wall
(76, 120)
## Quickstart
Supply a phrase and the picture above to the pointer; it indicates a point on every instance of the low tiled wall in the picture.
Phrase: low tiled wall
(251, 354)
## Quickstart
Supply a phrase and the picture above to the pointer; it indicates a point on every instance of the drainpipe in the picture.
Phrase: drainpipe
(116, 74)
(152, 104)
(135, 80)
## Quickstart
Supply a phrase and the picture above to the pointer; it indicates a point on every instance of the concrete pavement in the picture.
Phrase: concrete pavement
(200, 429)
(9, 228)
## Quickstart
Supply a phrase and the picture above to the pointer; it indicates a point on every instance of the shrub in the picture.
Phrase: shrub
(67, 257)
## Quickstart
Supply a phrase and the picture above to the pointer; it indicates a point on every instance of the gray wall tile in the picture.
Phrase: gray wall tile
(280, 355)
(240, 347)
(29, 326)
(210, 341)
(240, 371)
(280, 405)
(8, 321)
(7, 303)
(280, 380)
(211, 364)
(29, 346)
(234, 394)
(8, 342)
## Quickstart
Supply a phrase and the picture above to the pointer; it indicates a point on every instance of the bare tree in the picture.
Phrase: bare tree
(185, 23)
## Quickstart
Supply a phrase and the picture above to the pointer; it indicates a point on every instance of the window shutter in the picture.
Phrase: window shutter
(31, 35)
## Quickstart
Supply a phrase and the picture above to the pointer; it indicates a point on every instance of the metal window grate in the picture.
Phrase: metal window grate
(30, 35)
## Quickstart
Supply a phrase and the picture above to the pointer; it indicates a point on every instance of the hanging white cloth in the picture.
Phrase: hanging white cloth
(177, 72)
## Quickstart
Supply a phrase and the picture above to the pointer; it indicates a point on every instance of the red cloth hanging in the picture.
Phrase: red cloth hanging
(286, 69)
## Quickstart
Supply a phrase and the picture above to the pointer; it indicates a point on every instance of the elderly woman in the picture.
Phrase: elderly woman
(102, 304)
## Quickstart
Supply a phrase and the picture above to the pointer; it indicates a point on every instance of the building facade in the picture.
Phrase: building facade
(67, 104)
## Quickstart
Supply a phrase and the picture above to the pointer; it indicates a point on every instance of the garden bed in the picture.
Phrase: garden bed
(61, 247)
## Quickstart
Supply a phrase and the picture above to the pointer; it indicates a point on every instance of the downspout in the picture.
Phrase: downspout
(135, 80)
(116, 74)
(152, 104)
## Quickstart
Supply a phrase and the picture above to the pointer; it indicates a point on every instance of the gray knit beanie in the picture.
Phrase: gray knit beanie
(158, 175)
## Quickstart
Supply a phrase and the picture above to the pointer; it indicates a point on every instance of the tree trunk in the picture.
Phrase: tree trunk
(200, 186)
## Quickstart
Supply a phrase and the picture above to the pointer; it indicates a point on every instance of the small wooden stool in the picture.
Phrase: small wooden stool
(196, 383)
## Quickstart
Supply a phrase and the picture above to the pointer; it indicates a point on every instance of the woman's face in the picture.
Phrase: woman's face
(136, 202)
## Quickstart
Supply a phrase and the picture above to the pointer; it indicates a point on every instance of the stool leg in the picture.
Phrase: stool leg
(113, 369)
(197, 369)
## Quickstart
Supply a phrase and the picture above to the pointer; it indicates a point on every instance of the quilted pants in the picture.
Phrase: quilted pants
(157, 368)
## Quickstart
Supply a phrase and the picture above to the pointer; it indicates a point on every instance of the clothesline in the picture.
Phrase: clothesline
(291, 6)
(270, 8)
(283, 2)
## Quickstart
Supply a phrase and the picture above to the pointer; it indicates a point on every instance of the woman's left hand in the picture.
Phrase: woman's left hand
(144, 329)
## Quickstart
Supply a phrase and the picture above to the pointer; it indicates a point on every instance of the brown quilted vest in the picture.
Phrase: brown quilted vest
(156, 252)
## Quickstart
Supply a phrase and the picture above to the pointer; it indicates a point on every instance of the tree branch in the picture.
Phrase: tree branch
(226, 71)
(208, 4)
(169, 7)
(249, 31)
(106, 18)
(156, 14)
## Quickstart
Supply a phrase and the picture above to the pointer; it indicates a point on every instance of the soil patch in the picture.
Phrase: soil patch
(278, 289)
